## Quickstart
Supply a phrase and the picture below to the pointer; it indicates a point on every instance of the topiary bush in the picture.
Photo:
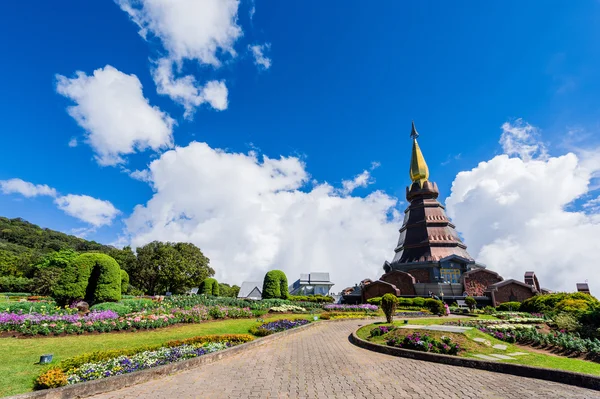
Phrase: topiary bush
(120, 308)
(94, 277)
(509, 306)
(471, 302)
(124, 282)
(435, 306)
(419, 301)
(210, 286)
(388, 304)
(374, 301)
(275, 285)
(405, 302)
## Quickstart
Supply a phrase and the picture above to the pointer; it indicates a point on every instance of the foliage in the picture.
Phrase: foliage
(425, 343)
(471, 302)
(275, 285)
(210, 286)
(228, 291)
(276, 326)
(374, 301)
(550, 302)
(311, 298)
(566, 322)
(104, 284)
(15, 284)
(172, 267)
(120, 308)
(405, 302)
(381, 330)
(509, 306)
(435, 306)
(388, 304)
(124, 282)
(139, 304)
(572, 305)
(418, 301)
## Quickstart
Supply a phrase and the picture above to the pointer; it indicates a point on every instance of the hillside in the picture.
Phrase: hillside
(23, 244)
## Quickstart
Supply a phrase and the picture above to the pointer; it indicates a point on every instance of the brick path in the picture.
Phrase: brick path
(321, 363)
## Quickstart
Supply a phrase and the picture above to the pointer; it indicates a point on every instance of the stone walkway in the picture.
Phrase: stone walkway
(321, 363)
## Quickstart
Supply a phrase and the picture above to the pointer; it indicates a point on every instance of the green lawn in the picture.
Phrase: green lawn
(18, 356)
(532, 359)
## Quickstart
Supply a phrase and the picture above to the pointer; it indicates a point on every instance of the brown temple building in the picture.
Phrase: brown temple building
(430, 256)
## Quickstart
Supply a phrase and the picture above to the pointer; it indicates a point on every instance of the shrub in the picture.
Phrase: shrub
(275, 285)
(405, 302)
(139, 304)
(120, 308)
(52, 378)
(93, 276)
(418, 301)
(388, 304)
(374, 301)
(15, 284)
(572, 305)
(435, 306)
(124, 282)
(509, 306)
(311, 298)
(489, 310)
(565, 321)
(471, 302)
(549, 303)
(210, 286)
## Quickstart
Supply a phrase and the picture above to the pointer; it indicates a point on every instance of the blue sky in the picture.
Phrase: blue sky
(345, 81)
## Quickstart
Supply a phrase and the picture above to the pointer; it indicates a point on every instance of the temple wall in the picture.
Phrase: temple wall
(420, 275)
(403, 281)
(378, 289)
(504, 293)
(476, 282)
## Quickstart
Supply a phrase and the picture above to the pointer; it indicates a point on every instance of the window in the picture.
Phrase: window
(450, 275)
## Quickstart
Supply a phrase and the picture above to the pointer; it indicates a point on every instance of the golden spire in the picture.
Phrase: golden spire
(418, 168)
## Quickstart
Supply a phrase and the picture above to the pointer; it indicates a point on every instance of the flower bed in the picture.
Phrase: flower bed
(352, 308)
(104, 364)
(287, 309)
(425, 343)
(413, 314)
(277, 326)
(108, 320)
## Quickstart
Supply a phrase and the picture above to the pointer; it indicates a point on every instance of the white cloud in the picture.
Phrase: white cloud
(259, 57)
(361, 180)
(88, 209)
(117, 117)
(515, 216)
(250, 215)
(73, 142)
(201, 30)
(521, 139)
(26, 189)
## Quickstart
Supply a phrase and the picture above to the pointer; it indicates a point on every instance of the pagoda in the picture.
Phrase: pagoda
(429, 248)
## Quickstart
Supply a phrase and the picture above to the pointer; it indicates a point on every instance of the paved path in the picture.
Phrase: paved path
(321, 363)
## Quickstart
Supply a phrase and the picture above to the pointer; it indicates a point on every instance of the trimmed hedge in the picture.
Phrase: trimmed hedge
(15, 284)
(311, 298)
(210, 286)
(388, 304)
(275, 285)
(435, 306)
(550, 302)
(124, 282)
(94, 277)
(509, 306)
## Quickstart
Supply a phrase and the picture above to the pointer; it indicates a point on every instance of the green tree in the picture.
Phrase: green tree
(210, 286)
(174, 267)
(228, 291)
(275, 285)
(471, 302)
(388, 305)
(124, 282)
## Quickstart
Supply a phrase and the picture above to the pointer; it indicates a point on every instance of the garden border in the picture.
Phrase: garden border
(554, 375)
(114, 383)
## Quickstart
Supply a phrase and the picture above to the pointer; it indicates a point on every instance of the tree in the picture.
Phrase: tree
(275, 285)
(174, 267)
(471, 302)
(124, 282)
(228, 291)
(210, 286)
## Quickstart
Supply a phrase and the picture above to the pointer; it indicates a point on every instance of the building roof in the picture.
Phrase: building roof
(583, 287)
(315, 278)
(247, 288)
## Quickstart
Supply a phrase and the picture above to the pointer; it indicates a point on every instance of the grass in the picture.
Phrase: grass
(534, 359)
(18, 356)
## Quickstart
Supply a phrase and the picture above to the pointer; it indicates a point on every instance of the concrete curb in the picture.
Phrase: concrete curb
(95, 387)
(563, 377)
